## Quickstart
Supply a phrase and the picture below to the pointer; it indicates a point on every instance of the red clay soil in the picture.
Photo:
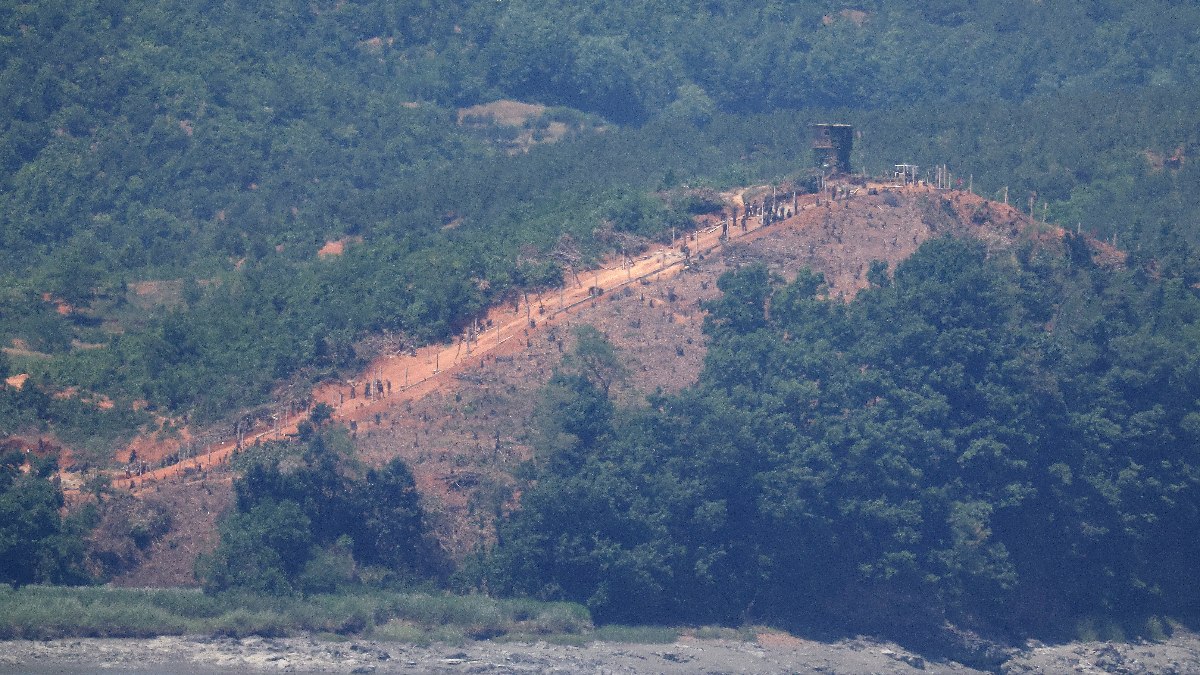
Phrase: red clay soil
(195, 504)
(16, 381)
(61, 306)
(151, 448)
(337, 247)
(460, 414)
(432, 369)
(464, 439)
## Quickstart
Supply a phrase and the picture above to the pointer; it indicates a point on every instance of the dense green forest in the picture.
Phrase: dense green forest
(37, 545)
(321, 523)
(1005, 439)
(216, 147)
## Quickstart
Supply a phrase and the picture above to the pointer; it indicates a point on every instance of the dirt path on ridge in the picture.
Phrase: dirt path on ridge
(430, 368)
(409, 377)
(465, 429)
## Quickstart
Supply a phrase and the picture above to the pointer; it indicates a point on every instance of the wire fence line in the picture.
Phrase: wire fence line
(285, 421)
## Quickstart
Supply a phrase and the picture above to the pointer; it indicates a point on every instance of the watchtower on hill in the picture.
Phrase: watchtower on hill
(831, 145)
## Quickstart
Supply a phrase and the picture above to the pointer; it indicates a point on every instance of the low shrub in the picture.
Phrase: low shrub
(636, 634)
(244, 623)
(421, 636)
(41, 612)
(561, 617)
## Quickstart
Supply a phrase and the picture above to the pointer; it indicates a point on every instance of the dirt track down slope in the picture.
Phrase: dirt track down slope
(464, 429)
(400, 378)
(407, 377)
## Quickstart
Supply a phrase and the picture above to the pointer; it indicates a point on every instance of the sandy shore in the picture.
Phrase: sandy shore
(771, 653)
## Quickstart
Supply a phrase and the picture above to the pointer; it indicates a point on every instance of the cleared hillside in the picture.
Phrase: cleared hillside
(465, 430)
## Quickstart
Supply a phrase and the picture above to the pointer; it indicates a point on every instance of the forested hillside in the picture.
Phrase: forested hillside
(206, 205)
(212, 149)
(1004, 439)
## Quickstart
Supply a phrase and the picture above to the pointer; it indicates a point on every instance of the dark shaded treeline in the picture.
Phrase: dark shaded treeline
(319, 523)
(1003, 439)
(222, 145)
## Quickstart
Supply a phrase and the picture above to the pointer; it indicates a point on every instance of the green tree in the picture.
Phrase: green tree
(309, 526)
(36, 545)
(572, 418)
(985, 431)
(595, 358)
(321, 413)
(262, 550)
(391, 531)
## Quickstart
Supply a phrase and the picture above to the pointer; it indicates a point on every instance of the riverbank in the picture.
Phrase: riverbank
(768, 652)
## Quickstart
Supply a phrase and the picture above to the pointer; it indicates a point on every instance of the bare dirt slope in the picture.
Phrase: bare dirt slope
(195, 504)
(460, 414)
(463, 440)
(462, 422)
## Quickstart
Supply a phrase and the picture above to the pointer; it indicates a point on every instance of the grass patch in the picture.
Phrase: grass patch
(44, 612)
(561, 639)
(417, 618)
(420, 636)
(1124, 629)
(649, 635)
(49, 612)
(743, 634)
